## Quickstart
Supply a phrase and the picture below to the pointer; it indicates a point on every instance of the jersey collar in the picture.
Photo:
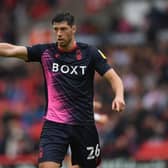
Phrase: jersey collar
(70, 50)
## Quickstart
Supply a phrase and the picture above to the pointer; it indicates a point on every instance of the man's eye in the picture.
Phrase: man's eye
(63, 29)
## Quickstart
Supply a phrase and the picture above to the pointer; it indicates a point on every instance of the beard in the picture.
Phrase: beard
(64, 43)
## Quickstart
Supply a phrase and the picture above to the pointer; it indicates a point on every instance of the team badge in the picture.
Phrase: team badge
(78, 55)
(40, 152)
(56, 55)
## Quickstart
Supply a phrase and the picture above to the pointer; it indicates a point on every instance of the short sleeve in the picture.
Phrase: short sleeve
(34, 53)
(100, 61)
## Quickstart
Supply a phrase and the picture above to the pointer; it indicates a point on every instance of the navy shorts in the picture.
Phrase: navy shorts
(83, 140)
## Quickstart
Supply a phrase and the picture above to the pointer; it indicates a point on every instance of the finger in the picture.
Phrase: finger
(115, 106)
(122, 106)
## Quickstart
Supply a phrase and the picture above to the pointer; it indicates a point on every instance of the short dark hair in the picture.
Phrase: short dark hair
(69, 18)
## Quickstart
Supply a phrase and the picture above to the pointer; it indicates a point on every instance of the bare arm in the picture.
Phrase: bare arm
(10, 50)
(118, 103)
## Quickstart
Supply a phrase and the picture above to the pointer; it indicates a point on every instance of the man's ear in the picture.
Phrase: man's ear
(74, 28)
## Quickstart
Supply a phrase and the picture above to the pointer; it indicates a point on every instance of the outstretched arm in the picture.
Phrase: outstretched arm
(10, 50)
(118, 103)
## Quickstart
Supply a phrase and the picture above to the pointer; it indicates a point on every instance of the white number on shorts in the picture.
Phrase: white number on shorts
(94, 152)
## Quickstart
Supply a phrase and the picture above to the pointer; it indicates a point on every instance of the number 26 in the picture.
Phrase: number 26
(93, 152)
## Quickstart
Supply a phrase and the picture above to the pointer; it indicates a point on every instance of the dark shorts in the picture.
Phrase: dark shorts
(83, 140)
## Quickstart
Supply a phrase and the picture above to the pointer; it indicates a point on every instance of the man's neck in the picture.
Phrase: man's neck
(70, 47)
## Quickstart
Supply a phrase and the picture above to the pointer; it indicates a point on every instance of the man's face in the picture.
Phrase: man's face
(64, 33)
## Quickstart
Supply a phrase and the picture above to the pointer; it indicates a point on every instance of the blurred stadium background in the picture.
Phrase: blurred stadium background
(134, 36)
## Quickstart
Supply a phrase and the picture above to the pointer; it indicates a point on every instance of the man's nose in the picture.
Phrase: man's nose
(59, 33)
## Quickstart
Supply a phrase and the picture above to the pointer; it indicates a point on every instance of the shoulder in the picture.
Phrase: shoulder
(87, 47)
(43, 45)
(82, 45)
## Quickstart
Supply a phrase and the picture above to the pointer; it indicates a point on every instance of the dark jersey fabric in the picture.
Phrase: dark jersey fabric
(69, 80)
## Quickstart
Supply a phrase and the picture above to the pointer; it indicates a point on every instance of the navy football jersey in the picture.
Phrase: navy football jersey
(69, 80)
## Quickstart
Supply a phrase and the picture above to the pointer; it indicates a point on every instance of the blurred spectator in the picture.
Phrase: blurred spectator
(88, 27)
(120, 24)
(16, 139)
